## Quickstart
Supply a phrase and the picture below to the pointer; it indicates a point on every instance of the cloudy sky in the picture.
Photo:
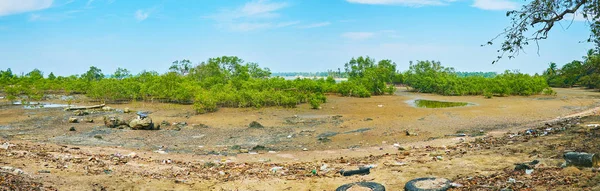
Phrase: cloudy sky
(68, 36)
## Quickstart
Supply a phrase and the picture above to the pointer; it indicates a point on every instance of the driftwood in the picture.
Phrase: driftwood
(84, 107)
(582, 159)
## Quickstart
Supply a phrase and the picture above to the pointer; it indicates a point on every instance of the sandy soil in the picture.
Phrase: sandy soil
(78, 161)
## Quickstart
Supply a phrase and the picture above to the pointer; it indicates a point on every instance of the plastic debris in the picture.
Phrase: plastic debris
(528, 171)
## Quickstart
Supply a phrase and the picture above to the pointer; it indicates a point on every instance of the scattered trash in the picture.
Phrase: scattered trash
(526, 165)
(528, 171)
(439, 158)
(275, 169)
(511, 180)
(160, 152)
(132, 155)
(6, 145)
(457, 135)
(360, 171)
(98, 136)
(582, 159)
(427, 183)
(324, 167)
(373, 186)
(456, 185)
(272, 152)
(43, 171)
(304, 149)
(379, 105)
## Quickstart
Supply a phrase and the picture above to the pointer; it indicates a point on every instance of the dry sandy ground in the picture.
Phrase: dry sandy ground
(43, 142)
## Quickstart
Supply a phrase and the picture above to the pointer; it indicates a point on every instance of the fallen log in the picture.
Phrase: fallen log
(582, 159)
(84, 107)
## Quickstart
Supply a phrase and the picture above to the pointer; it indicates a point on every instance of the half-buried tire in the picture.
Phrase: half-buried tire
(371, 185)
(427, 184)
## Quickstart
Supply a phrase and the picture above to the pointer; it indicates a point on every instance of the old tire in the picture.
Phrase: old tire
(412, 185)
(374, 186)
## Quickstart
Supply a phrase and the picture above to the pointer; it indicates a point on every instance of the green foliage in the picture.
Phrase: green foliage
(432, 77)
(535, 19)
(93, 74)
(182, 67)
(576, 73)
(367, 77)
(121, 73)
(482, 74)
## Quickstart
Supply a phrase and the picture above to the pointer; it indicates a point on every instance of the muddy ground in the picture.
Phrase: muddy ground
(344, 134)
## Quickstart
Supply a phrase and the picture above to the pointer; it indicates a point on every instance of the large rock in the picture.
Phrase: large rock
(113, 121)
(139, 123)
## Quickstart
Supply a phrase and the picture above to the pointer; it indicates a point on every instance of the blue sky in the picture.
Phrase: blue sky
(68, 36)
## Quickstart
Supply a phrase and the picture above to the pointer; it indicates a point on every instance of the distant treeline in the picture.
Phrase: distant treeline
(228, 81)
(585, 73)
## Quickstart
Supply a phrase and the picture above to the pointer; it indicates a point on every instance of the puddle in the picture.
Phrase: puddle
(37, 105)
(422, 103)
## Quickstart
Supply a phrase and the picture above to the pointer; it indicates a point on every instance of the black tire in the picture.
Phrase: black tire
(411, 185)
(374, 186)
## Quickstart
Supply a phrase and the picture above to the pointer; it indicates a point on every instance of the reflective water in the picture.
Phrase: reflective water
(437, 104)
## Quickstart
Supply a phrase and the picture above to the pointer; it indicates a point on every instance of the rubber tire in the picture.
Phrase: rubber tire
(410, 185)
(374, 186)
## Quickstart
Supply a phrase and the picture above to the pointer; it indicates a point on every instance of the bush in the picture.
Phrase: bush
(488, 95)
(549, 91)
(315, 103)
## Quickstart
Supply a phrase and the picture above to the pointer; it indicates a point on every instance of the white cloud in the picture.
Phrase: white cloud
(412, 3)
(315, 25)
(262, 7)
(254, 15)
(9, 7)
(495, 5)
(358, 35)
(56, 16)
(141, 15)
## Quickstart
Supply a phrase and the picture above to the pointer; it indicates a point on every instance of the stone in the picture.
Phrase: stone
(73, 120)
(72, 129)
(410, 133)
(144, 124)
(80, 113)
(243, 150)
(126, 110)
(255, 124)
(113, 121)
